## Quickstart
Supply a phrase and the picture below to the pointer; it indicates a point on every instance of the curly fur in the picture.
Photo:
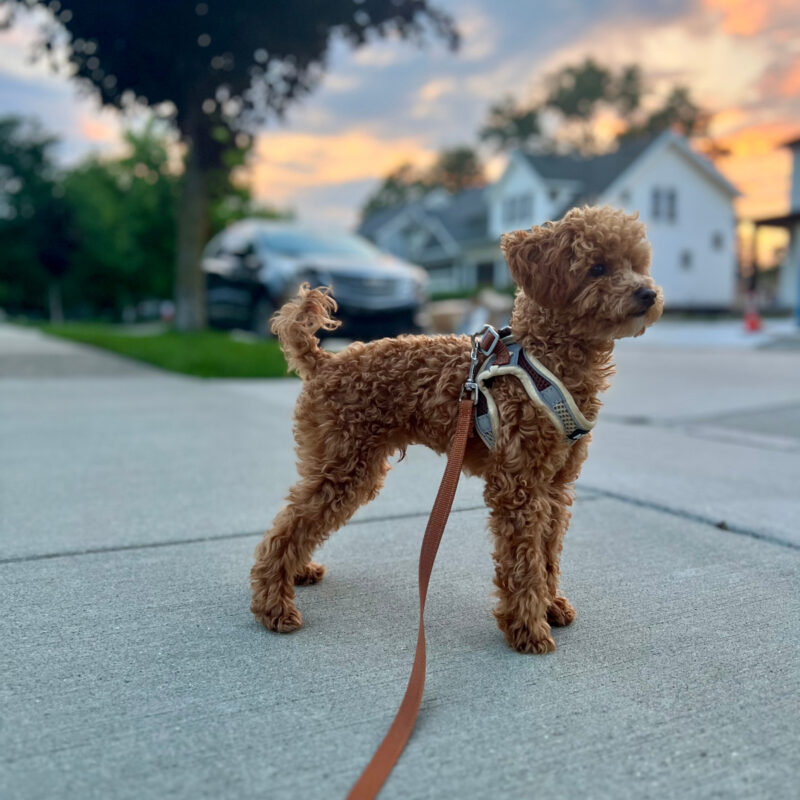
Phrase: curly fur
(363, 404)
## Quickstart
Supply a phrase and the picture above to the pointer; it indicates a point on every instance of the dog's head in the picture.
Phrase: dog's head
(590, 270)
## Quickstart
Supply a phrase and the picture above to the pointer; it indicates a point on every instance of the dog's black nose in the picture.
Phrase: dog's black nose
(645, 296)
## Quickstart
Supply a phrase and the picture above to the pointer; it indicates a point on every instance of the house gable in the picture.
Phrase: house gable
(519, 199)
(416, 235)
(664, 143)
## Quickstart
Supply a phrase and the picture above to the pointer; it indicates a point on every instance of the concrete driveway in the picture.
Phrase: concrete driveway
(131, 501)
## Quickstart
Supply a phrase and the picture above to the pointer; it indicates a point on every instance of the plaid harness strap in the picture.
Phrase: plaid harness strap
(505, 356)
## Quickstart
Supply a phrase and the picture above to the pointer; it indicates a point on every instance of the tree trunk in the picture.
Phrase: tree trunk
(193, 226)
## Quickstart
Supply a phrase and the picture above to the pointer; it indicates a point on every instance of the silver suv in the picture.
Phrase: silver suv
(253, 266)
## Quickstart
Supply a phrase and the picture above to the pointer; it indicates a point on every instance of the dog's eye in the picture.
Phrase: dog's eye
(597, 270)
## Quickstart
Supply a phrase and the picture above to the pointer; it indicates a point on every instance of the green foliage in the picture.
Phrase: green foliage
(679, 112)
(206, 354)
(574, 96)
(510, 126)
(401, 185)
(120, 218)
(124, 215)
(577, 91)
(228, 62)
(31, 215)
(455, 169)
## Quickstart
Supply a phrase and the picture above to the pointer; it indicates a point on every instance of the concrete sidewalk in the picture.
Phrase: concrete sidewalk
(132, 500)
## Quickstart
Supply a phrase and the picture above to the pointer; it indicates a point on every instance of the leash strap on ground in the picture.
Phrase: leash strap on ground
(387, 754)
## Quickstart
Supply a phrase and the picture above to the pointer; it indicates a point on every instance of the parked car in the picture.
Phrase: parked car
(253, 266)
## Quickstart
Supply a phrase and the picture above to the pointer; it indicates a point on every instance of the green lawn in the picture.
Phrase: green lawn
(209, 354)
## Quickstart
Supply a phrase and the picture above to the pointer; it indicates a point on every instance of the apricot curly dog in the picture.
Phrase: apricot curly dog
(583, 282)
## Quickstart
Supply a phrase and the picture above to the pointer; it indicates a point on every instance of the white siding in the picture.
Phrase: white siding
(704, 227)
(519, 182)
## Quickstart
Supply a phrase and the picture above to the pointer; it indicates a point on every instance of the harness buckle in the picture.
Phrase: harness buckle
(481, 335)
(470, 387)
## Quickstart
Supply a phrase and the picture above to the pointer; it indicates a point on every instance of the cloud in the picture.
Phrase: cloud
(720, 69)
(750, 17)
(479, 34)
(288, 166)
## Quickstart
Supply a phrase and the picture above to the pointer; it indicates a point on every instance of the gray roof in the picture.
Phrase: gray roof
(378, 219)
(594, 173)
(464, 216)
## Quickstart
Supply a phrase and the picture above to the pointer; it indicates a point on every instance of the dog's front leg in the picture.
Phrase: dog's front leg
(520, 521)
(560, 612)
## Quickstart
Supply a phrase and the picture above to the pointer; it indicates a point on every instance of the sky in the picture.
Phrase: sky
(391, 101)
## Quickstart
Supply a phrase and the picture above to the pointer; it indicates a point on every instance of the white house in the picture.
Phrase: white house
(685, 202)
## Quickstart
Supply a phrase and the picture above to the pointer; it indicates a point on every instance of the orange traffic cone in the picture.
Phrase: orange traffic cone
(752, 319)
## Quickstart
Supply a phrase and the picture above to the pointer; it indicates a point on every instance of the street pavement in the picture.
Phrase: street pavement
(130, 504)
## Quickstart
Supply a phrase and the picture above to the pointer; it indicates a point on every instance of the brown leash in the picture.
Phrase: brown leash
(377, 771)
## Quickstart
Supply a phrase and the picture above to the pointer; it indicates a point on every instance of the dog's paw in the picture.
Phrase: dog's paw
(533, 639)
(561, 613)
(280, 616)
(310, 573)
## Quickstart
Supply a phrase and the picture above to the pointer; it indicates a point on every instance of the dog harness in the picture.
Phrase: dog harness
(505, 356)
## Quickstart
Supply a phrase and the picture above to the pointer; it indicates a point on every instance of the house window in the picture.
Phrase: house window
(672, 204)
(664, 204)
(518, 208)
(686, 259)
(485, 273)
(717, 240)
(655, 204)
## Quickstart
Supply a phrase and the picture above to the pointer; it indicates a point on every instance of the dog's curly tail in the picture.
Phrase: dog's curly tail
(297, 321)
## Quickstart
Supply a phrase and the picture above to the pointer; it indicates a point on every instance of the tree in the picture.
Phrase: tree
(572, 98)
(679, 112)
(401, 185)
(577, 91)
(456, 169)
(102, 235)
(216, 70)
(511, 126)
(124, 219)
(35, 235)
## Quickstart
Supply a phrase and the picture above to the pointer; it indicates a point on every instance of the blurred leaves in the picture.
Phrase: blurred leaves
(30, 200)
(241, 59)
(106, 229)
(571, 101)
(455, 169)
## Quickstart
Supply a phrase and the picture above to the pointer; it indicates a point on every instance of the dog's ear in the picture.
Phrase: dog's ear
(533, 258)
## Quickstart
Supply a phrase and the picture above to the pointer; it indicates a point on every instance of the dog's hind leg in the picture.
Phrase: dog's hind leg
(321, 502)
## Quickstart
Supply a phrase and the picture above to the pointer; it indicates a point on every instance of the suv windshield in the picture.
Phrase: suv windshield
(298, 242)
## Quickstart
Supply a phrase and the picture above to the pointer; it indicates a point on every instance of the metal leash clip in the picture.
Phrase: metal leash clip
(470, 386)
